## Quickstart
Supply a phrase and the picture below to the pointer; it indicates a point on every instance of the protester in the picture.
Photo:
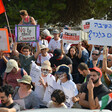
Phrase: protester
(44, 55)
(55, 42)
(94, 91)
(63, 74)
(25, 58)
(25, 94)
(46, 35)
(41, 84)
(7, 103)
(76, 60)
(26, 19)
(58, 98)
(58, 59)
(12, 73)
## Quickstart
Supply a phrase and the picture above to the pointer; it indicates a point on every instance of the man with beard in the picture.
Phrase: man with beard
(7, 103)
(94, 91)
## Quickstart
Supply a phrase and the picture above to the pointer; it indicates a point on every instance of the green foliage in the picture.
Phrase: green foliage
(53, 11)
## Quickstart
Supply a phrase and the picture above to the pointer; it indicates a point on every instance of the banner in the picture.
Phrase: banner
(4, 40)
(28, 33)
(2, 9)
(71, 36)
(100, 33)
(86, 24)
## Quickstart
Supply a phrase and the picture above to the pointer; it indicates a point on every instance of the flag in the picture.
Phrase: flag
(2, 9)
(105, 100)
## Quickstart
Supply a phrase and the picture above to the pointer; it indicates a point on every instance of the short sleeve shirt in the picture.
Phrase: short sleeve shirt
(25, 62)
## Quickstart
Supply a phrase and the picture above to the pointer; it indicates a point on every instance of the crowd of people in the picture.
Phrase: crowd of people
(84, 70)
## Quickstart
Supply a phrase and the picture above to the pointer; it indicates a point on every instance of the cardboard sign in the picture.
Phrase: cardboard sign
(86, 24)
(4, 40)
(71, 36)
(100, 33)
(28, 33)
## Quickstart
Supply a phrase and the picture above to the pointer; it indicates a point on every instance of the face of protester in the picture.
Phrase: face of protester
(109, 61)
(62, 76)
(95, 55)
(26, 52)
(54, 101)
(44, 52)
(72, 51)
(82, 72)
(14, 70)
(56, 36)
(44, 72)
(94, 77)
(4, 99)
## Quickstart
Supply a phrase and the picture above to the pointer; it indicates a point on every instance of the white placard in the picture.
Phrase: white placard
(86, 24)
(100, 33)
(26, 33)
(35, 73)
(71, 36)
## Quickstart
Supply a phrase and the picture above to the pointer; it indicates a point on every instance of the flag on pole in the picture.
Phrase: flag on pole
(105, 100)
(2, 9)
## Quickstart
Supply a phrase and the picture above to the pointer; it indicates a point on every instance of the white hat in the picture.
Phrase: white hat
(43, 47)
(10, 65)
(46, 65)
(46, 32)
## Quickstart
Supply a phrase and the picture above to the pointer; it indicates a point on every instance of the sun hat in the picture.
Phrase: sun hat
(64, 68)
(55, 31)
(46, 65)
(25, 79)
(43, 47)
(10, 65)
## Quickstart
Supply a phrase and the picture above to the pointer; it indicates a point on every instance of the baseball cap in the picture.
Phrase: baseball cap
(55, 31)
(97, 70)
(46, 65)
(64, 68)
(57, 53)
(25, 79)
(10, 65)
(44, 47)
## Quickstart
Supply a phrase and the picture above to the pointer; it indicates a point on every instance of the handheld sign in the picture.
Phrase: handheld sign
(4, 40)
(71, 36)
(28, 33)
(100, 33)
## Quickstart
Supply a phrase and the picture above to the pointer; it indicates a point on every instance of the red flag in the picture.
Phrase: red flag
(2, 9)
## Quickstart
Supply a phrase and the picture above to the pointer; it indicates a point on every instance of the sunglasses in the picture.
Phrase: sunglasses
(108, 59)
(95, 54)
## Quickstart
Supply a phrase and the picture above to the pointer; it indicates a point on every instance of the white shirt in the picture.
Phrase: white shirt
(54, 44)
(41, 58)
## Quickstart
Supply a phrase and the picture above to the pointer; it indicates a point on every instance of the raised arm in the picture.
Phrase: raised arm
(80, 50)
(38, 51)
(33, 21)
(15, 49)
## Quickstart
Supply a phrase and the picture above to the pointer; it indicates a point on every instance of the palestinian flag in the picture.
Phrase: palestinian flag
(105, 100)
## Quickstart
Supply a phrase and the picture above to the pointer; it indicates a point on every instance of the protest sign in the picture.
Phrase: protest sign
(86, 24)
(4, 40)
(28, 33)
(71, 36)
(100, 33)
(35, 73)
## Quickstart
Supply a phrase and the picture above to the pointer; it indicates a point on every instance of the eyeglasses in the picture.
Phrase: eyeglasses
(95, 54)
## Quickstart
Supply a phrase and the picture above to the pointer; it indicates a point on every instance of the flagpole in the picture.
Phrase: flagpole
(8, 24)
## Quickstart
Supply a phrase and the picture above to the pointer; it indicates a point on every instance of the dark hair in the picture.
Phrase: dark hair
(92, 70)
(23, 12)
(8, 89)
(69, 55)
(59, 96)
(83, 66)
(26, 47)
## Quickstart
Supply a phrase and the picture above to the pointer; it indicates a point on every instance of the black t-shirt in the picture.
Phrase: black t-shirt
(55, 63)
(98, 92)
(13, 105)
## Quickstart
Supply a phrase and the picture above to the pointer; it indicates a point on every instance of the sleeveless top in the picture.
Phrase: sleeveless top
(27, 21)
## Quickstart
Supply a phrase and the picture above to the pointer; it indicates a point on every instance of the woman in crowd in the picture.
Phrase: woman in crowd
(58, 98)
(24, 94)
(26, 19)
